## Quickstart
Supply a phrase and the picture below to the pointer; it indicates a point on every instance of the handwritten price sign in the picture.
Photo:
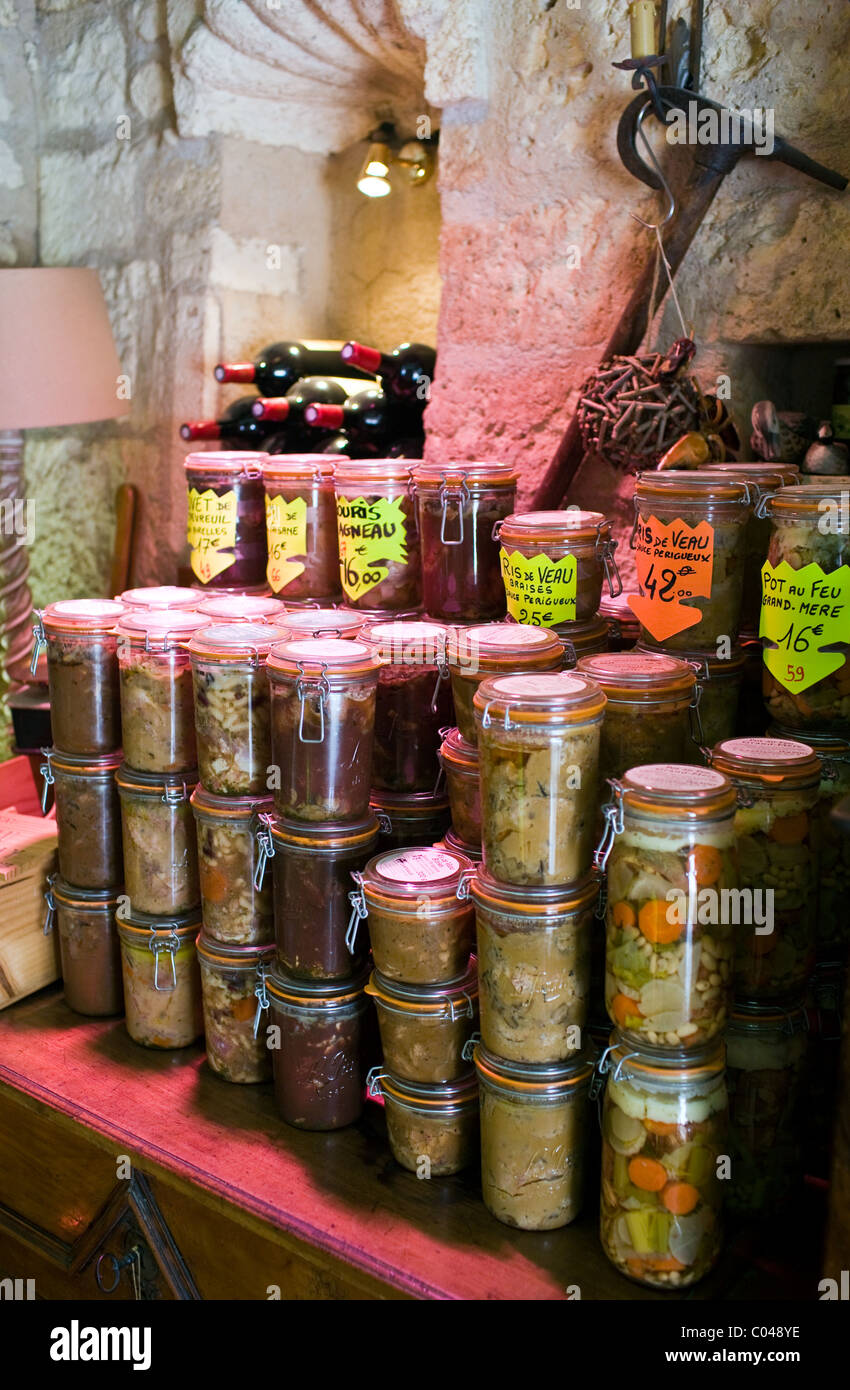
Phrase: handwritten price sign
(540, 592)
(286, 528)
(802, 613)
(211, 531)
(674, 565)
(372, 535)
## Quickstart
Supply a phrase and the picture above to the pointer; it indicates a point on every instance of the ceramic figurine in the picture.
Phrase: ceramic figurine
(781, 436)
(827, 457)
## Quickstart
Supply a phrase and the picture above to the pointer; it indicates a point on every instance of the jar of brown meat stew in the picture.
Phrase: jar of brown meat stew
(160, 845)
(495, 649)
(652, 714)
(459, 505)
(432, 1129)
(232, 705)
(88, 946)
(379, 560)
(230, 979)
(315, 1041)
(157, 711)
(407, 819)
(554, 564)
(414, 702)
(424, 1028)
(88, 817)
(720, 679)
(419, 914)
(227, 519)
(236, 895)
(460, 764)
(301, 526)
(82, 671)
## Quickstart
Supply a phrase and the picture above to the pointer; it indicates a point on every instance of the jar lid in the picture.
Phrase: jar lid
(751, 1014)
(690, 485)
(548, 900)
(160, 596)
(240, 608)
(671, 1064)
(145, 925)
(236, 641)
(301, 467)
(578, 635)
(364, 472)
(452, 842)
(381, 615)
(322, 622)
(418, 643)
(80, 763)
(322, 656)
(557, 697)
(707, 665)
(409, 805)
(171, 786)
(677, 790)
(316, 993)
(82, 615)
(806, 499)
(241, 808)
(762, 474)
(325, 835)
(426, 999)
(159, 629)
(533, 1078)
(226, 954)
(454, 749)
(69, 896)
(538, 528)
(472, 475)
(767, 761)
(640, 676)
(405, 875)
(238, 462)
(446, 1095)
(492, 646)
(826, 745)
(618, 610)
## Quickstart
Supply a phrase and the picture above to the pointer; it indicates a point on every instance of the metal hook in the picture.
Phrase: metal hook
(650, 153)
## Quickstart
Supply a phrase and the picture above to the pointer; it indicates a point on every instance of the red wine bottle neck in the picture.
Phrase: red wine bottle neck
(271, 408)
(235, 371)
(368, 359)
(200, 429)
(324, 417)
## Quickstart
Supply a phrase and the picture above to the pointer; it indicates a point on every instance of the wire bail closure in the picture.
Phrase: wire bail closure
(171, 944)
(322, 690)
(442, 664)
(450, 492)
(261, 996)
(265, 848)
(612, 812)
(47, 779)
(469, 1046)
(605, 548)
(172, 796)
(373, 1082)
(40, 641)
(359, 911)
(50, 915)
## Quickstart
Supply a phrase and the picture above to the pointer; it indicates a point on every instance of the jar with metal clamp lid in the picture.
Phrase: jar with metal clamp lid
(232, 979)
(414, 701)
(424, 1028)
(313, 865)
(236, 893)
(719, 681)
(162, 982)
(379, 558)
(432, 1129)
(455, 845)
(653, 710)
(534, 1123)
(82, 672)
(408, 819)
(160, 596)
(323, 725)
(227, 519)
(778, 784)
(419, 913)
(495, 649)
(583, 639)
(664, 1130)
(157, 711)
(554, 564)
(231, 691)
(459, 761)
(765, 1056)
(322, 622)
(88, 946)
(459, 505)
(315, 1038)
(301, 526)
(672, 881)
(240, 608)
(538, 739)
(623, 626)
(88, 817)
(160, 845)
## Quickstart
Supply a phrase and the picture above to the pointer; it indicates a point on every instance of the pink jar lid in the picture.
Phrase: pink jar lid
(160, 596)
(83, 614)
(768, 761)
(247, 463)
(555, 697)
(543, 527)
(678, 790)
(357, 471)
(640, 673)
(161, 628)
(317, 656)
(238, 608)
(322, 622)
(300, 466)
(236, 641)
(416, 643)
(437, 874)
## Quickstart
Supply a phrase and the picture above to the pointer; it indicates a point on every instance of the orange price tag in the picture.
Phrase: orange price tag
(674, 564)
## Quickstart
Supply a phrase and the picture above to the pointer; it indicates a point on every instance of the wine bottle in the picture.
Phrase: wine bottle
(405, 373)
(280, 365)
(311, 390)
(236, 426)
(368, 419)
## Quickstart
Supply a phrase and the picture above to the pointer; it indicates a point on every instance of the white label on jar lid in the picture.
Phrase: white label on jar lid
(674, 777)
(571, 519)
(765, 749)
(88, 608)
(327, 649)
(418, 866)
(556, 686)
(508, 635)
(630, 664)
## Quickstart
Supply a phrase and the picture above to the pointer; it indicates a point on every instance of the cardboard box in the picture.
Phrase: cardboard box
(29, 960)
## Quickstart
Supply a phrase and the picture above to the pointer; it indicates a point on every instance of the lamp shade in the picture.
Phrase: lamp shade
(58, 362)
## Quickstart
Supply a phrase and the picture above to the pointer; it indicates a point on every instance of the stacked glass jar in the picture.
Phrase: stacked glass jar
(538, 739)
(671, 894)
(82, 664)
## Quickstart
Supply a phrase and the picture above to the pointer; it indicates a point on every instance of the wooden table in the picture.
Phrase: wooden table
(105, 1145)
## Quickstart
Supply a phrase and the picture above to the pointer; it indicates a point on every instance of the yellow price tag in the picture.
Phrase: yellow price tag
(802, 612)
(211, 531)
(371, 535)
(286, 529)
(540, 592)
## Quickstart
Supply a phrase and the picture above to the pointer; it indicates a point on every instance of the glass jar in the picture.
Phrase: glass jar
(323, 622)
(160, 596)
(765, 1056)
(230, 977)
(778, 783)
(318, 1066)
(301, 526)
(553, 564)
(323, 724)
(652, 710)
(760, 478)
(157, 711)
(459, 761)
(495, 649)
(672, 895)
(227, 519)
(691, 541)
(379, 560)
(583, 639)
(236, 911)
(162, 981)
(408, 820)
(833, 917)
(88, 819)
(811, 526)
(533, 1140)
(414, 702)
(720, 680)
(232, 706)
(459, 505)
(424, 1028)
(160, 845)
(88, 946)
(313, 865)
(623, 626)
(82, 672)
(420, 917)
(664, 1127)
(533, 967)
(538, 738)
(432, 1129)
(242, 608)
(455, 845)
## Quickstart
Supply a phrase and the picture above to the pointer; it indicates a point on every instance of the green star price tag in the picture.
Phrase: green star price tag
(540, 592)
(286, 528)
(371, 535)
(803, 613)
